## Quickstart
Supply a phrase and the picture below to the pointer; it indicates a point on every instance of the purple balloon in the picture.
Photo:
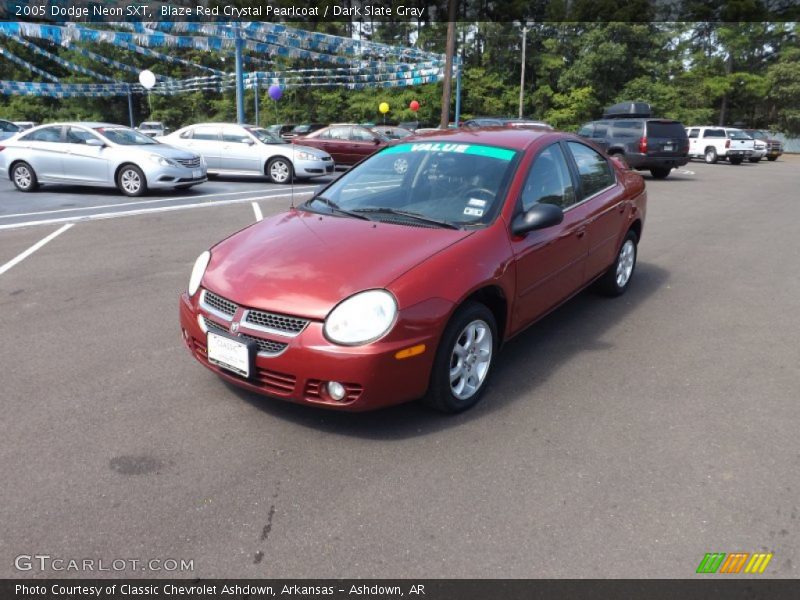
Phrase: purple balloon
(275, 91)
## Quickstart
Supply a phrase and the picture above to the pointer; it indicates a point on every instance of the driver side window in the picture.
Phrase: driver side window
(549, 180)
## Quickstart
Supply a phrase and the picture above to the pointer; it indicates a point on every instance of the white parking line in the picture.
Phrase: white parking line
(257, 210)
(157, 200)
(34, 248)
(143, 211)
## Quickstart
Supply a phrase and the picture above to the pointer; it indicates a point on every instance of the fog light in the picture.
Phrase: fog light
(336, 390)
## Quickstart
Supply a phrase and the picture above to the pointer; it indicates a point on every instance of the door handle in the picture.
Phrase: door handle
(581, 232)
(621, 208)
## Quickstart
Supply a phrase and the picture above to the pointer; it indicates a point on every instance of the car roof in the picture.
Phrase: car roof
(89, 124)
(507, 137)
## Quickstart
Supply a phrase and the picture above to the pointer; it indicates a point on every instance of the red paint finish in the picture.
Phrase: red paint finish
(302, 264)
(347, 144)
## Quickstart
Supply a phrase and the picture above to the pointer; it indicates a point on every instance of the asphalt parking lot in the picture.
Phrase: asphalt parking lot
(618, 438)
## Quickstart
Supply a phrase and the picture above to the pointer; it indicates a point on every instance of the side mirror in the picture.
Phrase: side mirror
(249, 142)
(539, 216)
(95, 142)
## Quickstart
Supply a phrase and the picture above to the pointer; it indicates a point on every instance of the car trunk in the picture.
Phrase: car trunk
(666, 139)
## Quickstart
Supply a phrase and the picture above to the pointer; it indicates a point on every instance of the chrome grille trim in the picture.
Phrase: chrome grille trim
(191, 163)
(274, 323)
(217, 305)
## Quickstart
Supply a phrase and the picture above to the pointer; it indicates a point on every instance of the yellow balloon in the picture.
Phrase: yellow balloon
(383, 107)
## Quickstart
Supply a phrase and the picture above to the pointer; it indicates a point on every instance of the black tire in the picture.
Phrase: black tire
(754, 160)
(736, 160)
(710, 155)
(772, 158)
(280, 170)
(131, 181)
(24, 177)
(660, 172)
(441, 394)
(609, 284)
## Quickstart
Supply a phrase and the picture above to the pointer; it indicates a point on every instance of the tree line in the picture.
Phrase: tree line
(698, 72)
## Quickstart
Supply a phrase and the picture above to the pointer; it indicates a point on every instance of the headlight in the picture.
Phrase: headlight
(306, 156)
(163, 161)
(361, 318)
(198, 270)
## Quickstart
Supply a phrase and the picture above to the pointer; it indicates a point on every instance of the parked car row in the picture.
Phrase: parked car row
(630, 132)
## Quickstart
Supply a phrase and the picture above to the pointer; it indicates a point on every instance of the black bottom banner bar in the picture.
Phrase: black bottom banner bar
(422, 589)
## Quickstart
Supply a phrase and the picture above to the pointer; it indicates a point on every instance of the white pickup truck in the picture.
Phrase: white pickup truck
(715, 143)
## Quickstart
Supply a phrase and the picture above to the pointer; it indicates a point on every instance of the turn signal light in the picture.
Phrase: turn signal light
(409, 352)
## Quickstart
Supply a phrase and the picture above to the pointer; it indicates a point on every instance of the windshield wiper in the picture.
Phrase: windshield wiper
(410, 215)
(336, 208)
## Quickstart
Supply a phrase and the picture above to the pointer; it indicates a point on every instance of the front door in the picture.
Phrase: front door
(82, 163)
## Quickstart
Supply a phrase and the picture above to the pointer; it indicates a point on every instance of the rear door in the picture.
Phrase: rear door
(600, 204)
(45, 147)
(362, 143)
(666, 139)
(694, 137)
(206, 141)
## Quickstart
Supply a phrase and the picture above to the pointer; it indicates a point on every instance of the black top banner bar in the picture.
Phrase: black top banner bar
(420, 11)
(711, 588)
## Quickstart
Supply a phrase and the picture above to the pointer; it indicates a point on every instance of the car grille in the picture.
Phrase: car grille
(191, 163)
(327, 158)
(774, 146)
(281, 324)
(219, 304)
(265, 347)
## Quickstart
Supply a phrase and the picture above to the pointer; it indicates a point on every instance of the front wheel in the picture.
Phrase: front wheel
(660, 172)
(24, 177)
(463, 360)
(618, 277)
(131, 181)
(279, 170)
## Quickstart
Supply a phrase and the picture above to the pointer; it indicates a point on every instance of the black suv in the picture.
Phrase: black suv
(629, 132)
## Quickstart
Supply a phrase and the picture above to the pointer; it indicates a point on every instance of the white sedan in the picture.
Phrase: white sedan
(247, 150)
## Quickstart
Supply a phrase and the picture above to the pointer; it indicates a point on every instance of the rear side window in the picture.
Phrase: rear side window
(586, 130)
(714, 133)
(9, 127)
(594, 170)
(665, 129)
(47, 134)
(694, 133)
(600, 130)
(628, 129)
(206, 133)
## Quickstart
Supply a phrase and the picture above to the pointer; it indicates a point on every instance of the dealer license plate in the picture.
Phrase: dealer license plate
(668, 147)
(229, 354)
(197, 173)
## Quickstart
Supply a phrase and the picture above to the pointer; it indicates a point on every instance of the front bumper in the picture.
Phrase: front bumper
(168, 177)
(313, 168)
(371, 374)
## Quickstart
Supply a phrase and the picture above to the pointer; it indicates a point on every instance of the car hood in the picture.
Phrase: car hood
(168, 151)
(288, 150)
(303, 263)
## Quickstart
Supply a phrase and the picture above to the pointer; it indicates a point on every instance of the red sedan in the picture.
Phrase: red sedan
(347, 144)
(401, 279)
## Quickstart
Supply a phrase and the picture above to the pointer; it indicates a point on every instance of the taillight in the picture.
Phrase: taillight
(2, 148)
(727, 143)
(686, 146)
(643, 144)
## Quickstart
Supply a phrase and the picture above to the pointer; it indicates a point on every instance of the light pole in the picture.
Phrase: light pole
(522, 71)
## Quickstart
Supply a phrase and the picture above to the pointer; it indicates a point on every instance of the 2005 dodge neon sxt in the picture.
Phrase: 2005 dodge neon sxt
(401, 279)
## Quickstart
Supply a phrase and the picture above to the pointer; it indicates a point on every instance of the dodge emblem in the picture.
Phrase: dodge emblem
(234, 326)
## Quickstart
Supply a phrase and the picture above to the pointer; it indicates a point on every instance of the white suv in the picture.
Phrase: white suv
(715, 143)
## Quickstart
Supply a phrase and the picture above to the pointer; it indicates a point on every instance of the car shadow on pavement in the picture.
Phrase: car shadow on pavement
(521, 367)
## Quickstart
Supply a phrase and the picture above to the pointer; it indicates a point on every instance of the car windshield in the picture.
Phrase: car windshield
(265, 137)
(125, 137)
(424, 184)
(759, 135)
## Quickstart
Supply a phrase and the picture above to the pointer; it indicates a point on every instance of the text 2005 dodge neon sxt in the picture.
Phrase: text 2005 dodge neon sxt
(401, 279)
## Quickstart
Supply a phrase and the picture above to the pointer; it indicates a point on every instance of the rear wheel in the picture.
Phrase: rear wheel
(463, 360)
(660, 172)
(621, 158)
(711, 155)
(279, 170)
(736, 160)
(772, 158)
(24, 177)
(131, 181)
(754, 160)
(618, 277)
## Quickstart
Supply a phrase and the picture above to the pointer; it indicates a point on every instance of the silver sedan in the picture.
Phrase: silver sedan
(249, 150)
(97, 154)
